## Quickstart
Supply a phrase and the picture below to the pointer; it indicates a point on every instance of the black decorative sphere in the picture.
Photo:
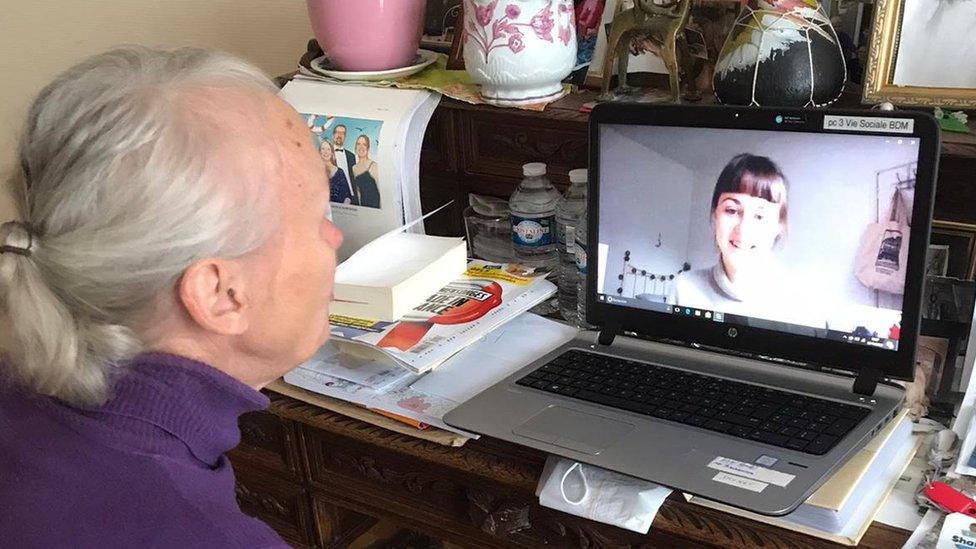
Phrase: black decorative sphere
(780, 53)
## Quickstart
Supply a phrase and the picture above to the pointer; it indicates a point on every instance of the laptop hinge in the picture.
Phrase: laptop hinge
(867, 381)
(607, 334)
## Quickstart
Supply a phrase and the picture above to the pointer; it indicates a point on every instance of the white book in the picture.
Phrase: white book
(374, 192)
(387, 278)
(843, 508)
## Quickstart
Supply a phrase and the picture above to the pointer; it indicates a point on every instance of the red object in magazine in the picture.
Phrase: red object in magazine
(458, 302)
(949, 498)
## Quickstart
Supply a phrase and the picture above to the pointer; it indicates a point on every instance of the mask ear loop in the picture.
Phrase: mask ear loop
(562, 484)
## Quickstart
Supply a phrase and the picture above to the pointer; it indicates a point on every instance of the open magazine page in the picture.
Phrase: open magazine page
(486, 296)
(361, 134)
(491, 359)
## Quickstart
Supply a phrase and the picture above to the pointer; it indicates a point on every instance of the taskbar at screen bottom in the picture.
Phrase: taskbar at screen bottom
(854, 338)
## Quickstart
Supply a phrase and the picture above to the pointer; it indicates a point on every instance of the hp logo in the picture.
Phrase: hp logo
(733, 332)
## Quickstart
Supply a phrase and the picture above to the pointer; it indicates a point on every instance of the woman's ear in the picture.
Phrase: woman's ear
(215, 296)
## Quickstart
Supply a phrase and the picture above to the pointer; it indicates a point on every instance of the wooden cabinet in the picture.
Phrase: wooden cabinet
(270, 485)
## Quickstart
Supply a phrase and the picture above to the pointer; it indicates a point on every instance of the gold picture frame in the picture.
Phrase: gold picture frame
(886, 34)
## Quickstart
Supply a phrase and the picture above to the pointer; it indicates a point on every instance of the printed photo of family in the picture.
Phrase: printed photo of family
(348, 147)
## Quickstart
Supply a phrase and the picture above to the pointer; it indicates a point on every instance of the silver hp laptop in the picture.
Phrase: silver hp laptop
(755, 276)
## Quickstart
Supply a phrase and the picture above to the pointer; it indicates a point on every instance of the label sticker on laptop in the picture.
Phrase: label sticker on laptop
(868, 124)
(740, 482)
(748, 470)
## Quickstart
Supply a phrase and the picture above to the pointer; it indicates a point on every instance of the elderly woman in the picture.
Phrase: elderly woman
(171, 263)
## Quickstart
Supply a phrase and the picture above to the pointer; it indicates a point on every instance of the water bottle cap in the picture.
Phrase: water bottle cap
(534, 169)
(577, 176)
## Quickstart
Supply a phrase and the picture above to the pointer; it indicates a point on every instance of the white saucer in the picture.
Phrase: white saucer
(323, 67)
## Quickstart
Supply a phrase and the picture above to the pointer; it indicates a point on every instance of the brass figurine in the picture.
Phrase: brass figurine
(662, 22)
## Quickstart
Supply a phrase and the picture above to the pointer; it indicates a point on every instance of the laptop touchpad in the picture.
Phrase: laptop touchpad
(579, 431)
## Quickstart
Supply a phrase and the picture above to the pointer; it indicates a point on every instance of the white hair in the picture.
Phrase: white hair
(120, 192)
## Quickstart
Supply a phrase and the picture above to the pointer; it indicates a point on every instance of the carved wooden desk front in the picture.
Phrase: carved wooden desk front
(316, 477)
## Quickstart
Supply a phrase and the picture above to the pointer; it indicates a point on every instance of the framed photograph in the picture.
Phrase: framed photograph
(948, 299)
(939, 345)
(937, 260)
(921, 53)
(960, 240)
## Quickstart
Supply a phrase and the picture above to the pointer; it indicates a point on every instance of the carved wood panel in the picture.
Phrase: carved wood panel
(336, 526)
(437, 191)
(283, 505)
(268, 441)
(439, 151)
(435, 491)
(496, 147)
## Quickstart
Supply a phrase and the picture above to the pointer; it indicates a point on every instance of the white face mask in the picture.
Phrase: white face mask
(600, 495)
(581, 487)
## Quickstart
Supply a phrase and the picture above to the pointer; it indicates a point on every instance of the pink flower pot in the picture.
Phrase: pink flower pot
(519, 50)
(368, 35)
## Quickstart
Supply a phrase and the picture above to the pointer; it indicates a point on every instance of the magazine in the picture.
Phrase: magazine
(369, 139)
(427, 399)
(378, 375)
(485, 297)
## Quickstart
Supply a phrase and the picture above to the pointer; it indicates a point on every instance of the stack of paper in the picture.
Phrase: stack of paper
(377, 375)
(426, 399)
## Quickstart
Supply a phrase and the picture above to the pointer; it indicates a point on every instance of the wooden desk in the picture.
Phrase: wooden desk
(317, 476)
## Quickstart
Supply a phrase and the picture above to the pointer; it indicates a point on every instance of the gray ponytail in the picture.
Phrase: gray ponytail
(121, 201)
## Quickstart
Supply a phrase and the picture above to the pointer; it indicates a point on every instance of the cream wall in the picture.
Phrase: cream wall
(39, 38)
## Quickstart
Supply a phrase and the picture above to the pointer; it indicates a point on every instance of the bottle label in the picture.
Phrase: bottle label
(570, 239)
(535, 231)
(580, 258)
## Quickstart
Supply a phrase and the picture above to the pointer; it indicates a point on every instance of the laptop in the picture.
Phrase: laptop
(755, 277)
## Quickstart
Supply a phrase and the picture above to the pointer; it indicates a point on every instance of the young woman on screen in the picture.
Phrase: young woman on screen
(749, 217)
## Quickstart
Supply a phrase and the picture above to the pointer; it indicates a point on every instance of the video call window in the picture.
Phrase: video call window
(761, 225)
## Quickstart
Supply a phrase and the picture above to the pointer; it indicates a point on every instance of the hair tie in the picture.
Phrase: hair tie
(8, 248)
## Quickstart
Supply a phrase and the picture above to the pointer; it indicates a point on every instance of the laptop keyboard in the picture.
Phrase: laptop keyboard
(788, 420)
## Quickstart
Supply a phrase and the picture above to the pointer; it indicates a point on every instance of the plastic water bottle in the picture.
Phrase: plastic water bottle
(568, 213)
(533, 206)
(581, 285)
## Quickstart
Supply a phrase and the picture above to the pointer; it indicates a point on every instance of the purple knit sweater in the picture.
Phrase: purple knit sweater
(145, 470)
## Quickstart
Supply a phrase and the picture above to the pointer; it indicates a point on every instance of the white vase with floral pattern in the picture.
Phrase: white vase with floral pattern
(519, 51)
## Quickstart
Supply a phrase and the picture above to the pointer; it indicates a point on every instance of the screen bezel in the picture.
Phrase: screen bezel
(897, 364)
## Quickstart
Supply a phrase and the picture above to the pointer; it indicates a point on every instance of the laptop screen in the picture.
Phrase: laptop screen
(797, 232)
